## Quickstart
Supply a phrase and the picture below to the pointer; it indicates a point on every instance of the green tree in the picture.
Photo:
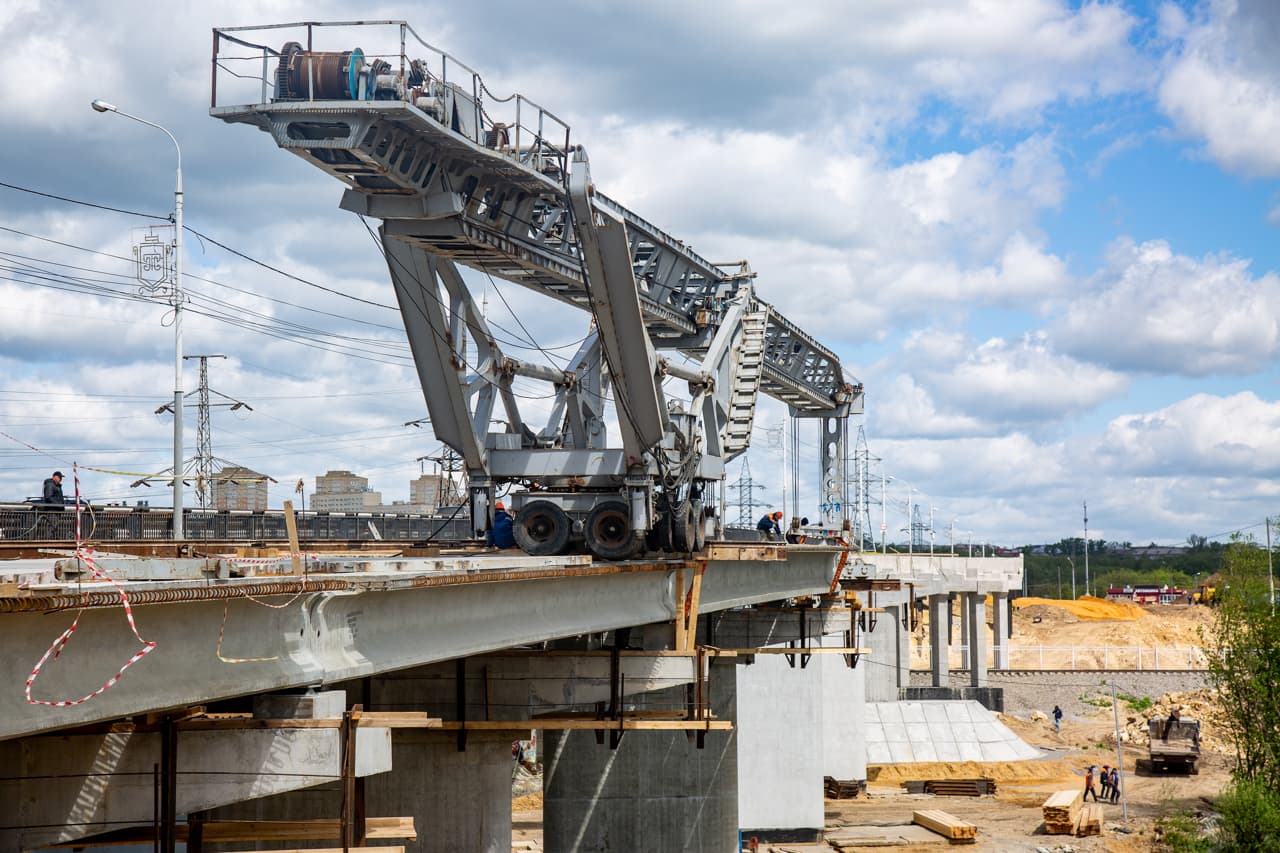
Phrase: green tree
(1246, 668)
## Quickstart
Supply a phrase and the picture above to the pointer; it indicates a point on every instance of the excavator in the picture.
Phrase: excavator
(459, 177)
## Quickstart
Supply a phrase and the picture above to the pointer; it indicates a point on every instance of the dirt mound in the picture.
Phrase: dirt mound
(1199, 705)
(1007, 772)
(1087, 607)
(527, 803)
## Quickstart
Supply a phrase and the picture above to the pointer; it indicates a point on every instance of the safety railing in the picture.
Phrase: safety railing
(1078, 658)
(526, 132)
(21, 523)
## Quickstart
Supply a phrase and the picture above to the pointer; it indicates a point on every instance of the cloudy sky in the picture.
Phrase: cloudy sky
(1044, 234)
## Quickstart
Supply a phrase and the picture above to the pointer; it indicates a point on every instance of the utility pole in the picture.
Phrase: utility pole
(884, 513)
(1115, 710)
(1271, 578)
(1086, 547)
(930, 528)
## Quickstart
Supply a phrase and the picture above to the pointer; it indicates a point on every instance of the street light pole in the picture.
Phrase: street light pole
(104, 107)
(884, 514)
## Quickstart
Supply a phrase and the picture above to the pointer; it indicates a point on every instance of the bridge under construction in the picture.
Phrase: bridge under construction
(226, 691)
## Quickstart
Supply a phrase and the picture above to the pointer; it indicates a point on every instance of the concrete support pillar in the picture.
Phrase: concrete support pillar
(977, 610)
(887, 668)
(844, 714)
(939, 641)
(1000, 628)
(780, 738)
(965, 645)
(656, 788)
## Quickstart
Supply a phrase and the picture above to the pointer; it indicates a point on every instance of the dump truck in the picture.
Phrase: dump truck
(1175, 744)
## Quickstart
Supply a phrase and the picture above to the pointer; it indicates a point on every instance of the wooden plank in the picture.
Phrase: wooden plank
(291, 528)
(808, 650)
(225, 831)
(376, 720)
(395, 849)
(628, 725)
(1062, 811)
(947, 825)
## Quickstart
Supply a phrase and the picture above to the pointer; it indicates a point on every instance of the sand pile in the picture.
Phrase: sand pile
(1087, 607)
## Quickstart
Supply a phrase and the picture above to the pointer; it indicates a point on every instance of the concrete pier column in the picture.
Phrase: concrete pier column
(656, 789)
(781, 722)
(890, 645)
(977, 610)
(1000, 628)
(939, 641)
(963, 639)
(844, 714)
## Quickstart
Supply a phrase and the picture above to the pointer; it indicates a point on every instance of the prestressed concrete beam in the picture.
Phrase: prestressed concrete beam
(60, 788)
(328, 637)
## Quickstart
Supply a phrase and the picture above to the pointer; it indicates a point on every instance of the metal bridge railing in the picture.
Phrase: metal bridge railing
(26, 523)
(1080, 658)
(526, 132)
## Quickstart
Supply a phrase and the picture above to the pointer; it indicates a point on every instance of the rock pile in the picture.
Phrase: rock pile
(1199, 705)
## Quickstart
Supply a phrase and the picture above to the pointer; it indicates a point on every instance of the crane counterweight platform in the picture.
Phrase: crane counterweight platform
(412, 135)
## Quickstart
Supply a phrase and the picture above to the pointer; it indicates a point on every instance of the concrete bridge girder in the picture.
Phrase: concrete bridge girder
(382, 625)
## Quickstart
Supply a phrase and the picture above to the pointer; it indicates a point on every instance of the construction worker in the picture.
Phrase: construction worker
(769, 528)
(501, 534)
(1088, 785)
(1057, 719)
(53, 491)
(1105, 779)
(1114, 784)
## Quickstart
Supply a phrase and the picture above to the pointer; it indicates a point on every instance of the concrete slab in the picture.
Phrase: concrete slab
(953, 731)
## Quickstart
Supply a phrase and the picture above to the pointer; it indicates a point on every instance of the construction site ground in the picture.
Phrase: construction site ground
(1011, 820)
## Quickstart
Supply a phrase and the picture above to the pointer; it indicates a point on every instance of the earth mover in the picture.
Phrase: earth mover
(1175, 744)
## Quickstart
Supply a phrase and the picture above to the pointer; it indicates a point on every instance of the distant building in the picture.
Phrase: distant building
(237, 487)
(343, 491)
(425, 491)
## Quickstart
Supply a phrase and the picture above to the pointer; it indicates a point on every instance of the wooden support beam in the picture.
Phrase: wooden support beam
(788, 650)
(374, 720)
(291, 528)
(626, 725)
(947, 825)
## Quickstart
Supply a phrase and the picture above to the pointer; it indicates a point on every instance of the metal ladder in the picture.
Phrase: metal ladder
(746, 383)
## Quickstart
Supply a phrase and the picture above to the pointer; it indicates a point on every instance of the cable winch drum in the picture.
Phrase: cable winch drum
(322, 75)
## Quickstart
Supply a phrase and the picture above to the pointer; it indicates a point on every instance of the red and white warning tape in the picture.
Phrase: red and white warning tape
(54, 650)
(267, 561)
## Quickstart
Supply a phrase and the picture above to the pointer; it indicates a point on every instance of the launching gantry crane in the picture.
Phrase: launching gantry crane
(415, 142)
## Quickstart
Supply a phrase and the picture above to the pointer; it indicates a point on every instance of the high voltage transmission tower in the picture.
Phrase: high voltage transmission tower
(746, 489)
(918, 528)
(863, 498)
(202, 464)
(453, 475)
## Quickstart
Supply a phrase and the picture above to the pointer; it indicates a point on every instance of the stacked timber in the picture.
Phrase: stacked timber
(1090, 820)
(948, 826)
(1061, 811)
(839, 790)
(952, 787)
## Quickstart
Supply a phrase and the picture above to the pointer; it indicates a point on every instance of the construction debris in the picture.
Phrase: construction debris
(1061, 811)
(947, 825)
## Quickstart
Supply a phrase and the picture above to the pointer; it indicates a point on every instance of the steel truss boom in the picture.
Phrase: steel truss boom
(419, 150)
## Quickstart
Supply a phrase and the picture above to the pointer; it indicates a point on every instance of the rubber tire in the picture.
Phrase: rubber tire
(700, 530)
(608, 533)
(682, 527)
(659, 537)
(542, 529)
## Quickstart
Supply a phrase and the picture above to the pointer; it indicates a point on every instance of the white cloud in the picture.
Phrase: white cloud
(1203, 435)
(1153, 310)
(1224, 85)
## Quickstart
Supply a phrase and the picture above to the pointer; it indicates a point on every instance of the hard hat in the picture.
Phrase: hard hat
(777, 515)
(500, 505)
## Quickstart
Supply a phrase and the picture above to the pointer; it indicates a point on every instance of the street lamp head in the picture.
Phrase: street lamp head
(102, 106)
